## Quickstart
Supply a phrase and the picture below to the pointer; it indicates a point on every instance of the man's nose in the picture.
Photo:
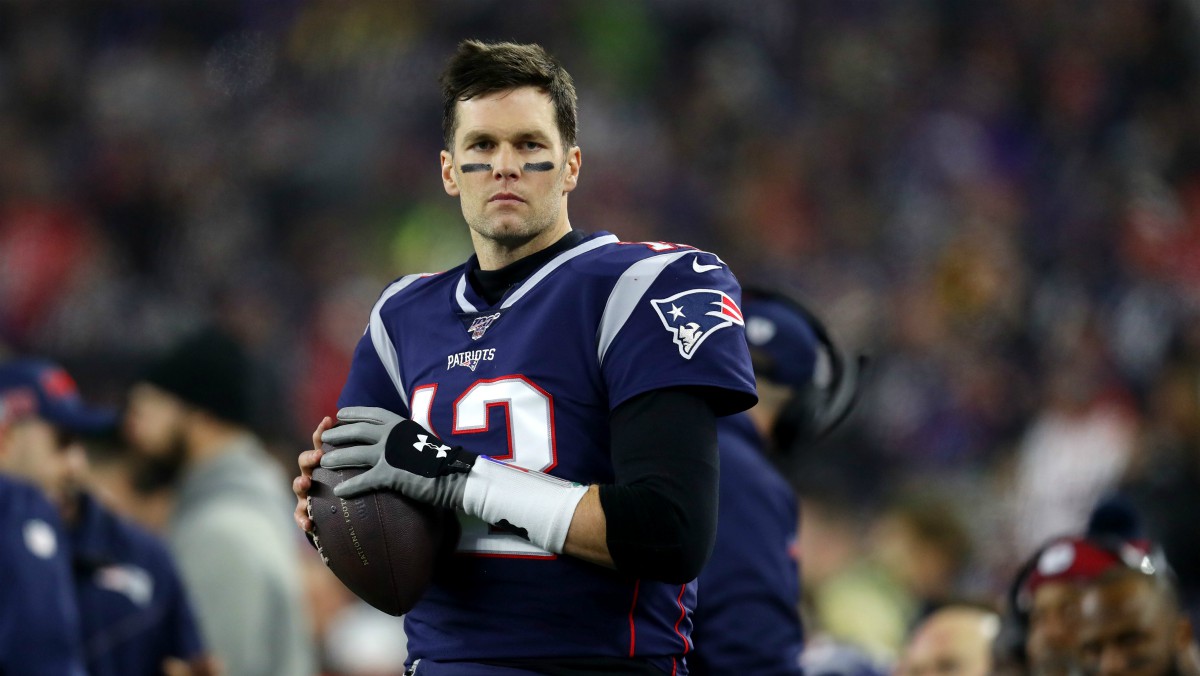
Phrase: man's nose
(507, 162)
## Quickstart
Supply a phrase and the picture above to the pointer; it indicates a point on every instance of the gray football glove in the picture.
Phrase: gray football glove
(405, 457)
(402, 455)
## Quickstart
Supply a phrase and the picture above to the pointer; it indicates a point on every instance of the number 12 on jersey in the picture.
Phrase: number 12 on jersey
(529, 411)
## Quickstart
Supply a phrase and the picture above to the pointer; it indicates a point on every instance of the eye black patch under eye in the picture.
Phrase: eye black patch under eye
(539, 166)
(468, 168)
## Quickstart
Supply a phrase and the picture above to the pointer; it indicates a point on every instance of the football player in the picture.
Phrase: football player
(559, 389)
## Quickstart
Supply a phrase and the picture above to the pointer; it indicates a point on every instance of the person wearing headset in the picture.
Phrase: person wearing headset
(747, 620)
(1044, 622)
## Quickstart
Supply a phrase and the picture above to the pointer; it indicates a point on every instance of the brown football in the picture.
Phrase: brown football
(382, 545)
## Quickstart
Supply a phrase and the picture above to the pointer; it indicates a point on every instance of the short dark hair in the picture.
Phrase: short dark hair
(480, 68)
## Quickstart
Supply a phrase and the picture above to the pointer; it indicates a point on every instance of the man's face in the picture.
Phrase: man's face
(154, 421)
(951, 643)
(1127, 627)
(33, 450)
(509, 167)
(1053, 623)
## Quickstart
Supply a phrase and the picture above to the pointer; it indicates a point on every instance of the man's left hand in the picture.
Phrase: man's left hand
(402, 455)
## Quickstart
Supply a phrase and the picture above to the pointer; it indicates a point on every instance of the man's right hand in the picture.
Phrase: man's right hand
(308, 461)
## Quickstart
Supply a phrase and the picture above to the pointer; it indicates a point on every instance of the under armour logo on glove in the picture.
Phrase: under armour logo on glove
(402, 455)
(408, 448)
(405, 457)
(423, 443)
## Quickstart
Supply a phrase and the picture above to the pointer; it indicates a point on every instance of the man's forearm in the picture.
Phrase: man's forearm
(587, 537)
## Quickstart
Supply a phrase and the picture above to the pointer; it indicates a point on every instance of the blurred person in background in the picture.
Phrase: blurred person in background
(912, 561)
(1044, 604)
(1041, 633)
(954, 640)
(229, 527)
(1074, 451)
(747, 619)
(117, 477)
(1131, 622)
(924, 543)
(136, 619)
(831, 541)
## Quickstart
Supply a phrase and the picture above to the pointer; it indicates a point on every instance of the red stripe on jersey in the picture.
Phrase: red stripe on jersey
(730, 308)
(682, 613)
(674, 666)
(632, 633)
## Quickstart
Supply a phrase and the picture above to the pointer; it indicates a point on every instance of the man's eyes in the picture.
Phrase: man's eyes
(491, 145)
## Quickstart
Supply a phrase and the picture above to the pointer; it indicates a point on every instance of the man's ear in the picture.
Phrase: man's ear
(449, 178)
(574, 160)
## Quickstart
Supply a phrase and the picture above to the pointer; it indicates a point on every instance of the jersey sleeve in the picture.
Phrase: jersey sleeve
(369, 383)
(375, 378)
(673, 320)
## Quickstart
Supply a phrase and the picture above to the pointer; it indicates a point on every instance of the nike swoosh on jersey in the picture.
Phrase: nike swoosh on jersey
(699, 267)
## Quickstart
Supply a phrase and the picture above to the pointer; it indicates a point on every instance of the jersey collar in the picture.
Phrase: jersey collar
(469, 302)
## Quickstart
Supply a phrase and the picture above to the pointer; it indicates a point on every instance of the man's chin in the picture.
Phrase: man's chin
(153, 473)
(510, 235)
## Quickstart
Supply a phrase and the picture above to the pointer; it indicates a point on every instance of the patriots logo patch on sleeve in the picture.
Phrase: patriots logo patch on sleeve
(692, 316)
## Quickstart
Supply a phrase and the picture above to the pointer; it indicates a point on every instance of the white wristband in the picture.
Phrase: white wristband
(541, 504)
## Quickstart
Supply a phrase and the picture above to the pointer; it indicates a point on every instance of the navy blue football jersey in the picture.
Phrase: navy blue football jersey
(532, 380)
(39, 621)
(748, 620)
(134, 607)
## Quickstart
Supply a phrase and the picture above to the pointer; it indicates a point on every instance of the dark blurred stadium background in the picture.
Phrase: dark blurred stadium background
(999, 201)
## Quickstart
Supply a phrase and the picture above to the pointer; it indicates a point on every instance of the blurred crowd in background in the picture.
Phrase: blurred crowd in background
(999, 202)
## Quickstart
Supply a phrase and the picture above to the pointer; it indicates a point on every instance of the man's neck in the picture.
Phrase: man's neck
(491, 285)
(494, 255)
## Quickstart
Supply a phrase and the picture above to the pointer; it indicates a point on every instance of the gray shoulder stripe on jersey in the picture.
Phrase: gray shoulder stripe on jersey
(554, 264)
(460, 294)
(379, 336)
(626, 294)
